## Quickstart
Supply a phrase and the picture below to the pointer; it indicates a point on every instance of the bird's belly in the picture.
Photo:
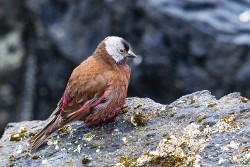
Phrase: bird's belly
(108, 109)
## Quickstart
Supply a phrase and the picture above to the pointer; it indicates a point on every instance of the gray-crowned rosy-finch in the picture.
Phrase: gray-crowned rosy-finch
(96, 90)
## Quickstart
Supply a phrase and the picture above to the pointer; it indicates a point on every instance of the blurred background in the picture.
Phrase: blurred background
(183, 46)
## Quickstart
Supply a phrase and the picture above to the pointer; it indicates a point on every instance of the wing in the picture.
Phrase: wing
(87, 82)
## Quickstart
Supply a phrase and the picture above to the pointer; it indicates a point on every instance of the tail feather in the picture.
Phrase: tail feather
(38, 141)
(56, 121)
(41, 136)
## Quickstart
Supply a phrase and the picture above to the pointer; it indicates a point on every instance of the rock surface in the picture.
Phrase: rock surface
(184, 46)
(196, 129)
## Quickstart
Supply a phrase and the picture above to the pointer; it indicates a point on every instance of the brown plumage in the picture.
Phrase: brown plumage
(96, 90)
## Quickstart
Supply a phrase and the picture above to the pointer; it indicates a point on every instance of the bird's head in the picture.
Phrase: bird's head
(118, 48)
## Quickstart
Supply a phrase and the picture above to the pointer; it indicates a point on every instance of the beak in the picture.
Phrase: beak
(131, 54)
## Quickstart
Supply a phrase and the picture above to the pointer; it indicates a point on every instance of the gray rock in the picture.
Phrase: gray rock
(196, 129)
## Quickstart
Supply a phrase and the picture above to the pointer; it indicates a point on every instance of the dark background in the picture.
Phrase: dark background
(183, 46)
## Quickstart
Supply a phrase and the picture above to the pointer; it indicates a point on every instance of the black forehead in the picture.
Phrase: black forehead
(126, 45)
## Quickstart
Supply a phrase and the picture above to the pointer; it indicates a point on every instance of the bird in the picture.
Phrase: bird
(96, 90)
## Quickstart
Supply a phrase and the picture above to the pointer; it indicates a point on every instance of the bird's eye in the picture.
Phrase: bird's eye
(121, 50)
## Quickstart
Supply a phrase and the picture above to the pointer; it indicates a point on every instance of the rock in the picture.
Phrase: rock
(196, 129)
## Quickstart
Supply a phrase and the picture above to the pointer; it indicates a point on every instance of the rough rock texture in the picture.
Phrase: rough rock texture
(196, 129)
(184, 46)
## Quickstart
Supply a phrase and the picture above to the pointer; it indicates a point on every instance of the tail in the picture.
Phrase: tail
(53, 125)
(58, 120)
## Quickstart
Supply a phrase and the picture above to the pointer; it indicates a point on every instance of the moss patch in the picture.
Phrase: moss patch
(211, 104)
(65, 130)
(85, 160)
(22, 134)
(126, 161)
(139, 119)
(124, 109)
(192, 100)
(35, 157)
(200, 119)
(244, 99)
(138, 106)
